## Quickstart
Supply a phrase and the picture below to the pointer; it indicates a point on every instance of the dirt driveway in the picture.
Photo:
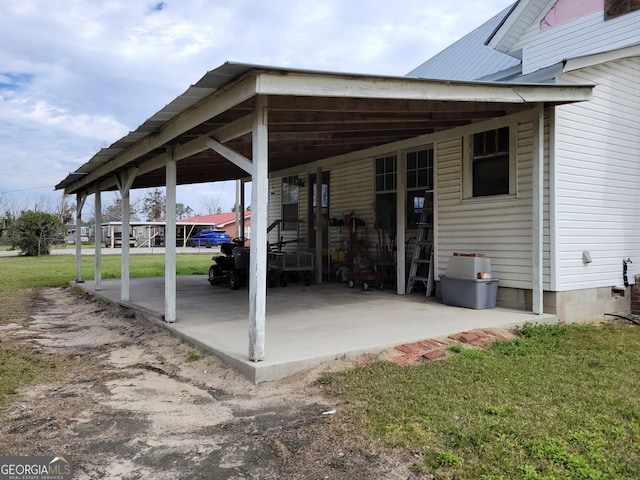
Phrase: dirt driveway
(132, 406)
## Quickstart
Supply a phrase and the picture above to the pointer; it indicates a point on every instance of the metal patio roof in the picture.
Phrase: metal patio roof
(311, 116)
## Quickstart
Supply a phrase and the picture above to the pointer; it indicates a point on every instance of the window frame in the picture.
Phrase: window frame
(468, 159)
(424, 191)
(385, 190)
(290, 200)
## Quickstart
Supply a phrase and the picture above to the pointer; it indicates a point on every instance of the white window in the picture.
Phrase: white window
(419, 184)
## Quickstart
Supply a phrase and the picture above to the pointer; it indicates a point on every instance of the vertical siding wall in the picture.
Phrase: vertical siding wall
(275, 213)
(597, 155)
(499, 228)
(352, 189)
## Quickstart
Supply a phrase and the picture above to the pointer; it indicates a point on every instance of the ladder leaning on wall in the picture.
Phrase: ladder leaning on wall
(422, 262)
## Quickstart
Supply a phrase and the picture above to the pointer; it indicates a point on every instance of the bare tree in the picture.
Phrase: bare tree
(183, 211)
(112, 212)
(209, 206)
(64, 212)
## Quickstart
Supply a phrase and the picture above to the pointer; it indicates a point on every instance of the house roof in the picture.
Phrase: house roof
(469, 58)
(521, 17)
(310, 116)
(217, 219)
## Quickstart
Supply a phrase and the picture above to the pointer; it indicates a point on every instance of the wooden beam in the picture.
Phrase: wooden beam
(259, 217)
(80, 199)
(405, 106)
(537, 216)
(97, 276)
(273, 83)
(125, 181)
(234, 157)
(170, 284)
(212, 106)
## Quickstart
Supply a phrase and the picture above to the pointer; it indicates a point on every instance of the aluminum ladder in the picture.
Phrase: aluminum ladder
(422, 262)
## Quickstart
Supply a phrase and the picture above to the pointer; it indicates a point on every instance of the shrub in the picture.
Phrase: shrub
(34, 232)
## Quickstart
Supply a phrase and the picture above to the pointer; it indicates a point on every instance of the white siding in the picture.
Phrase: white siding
(598, 178)
(583, 36)
(352, 189)
(275, 213)
(275, 207)
(500, 228)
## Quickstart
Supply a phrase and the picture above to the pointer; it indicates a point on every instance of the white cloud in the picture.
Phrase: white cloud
(37, 114)
(76, 75)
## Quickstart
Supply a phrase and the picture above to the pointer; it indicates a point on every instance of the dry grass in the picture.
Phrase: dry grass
(17, 305)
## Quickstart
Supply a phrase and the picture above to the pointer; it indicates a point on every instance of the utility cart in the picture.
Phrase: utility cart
(285, 266)
(366, 273)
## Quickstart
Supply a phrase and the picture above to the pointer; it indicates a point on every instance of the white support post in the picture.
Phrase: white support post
(243, 209)
(124, 184)
(401, 223)
(170, 241)
(97, 277)
(239, 212)
(126, 260)
(318, 224)
(80, 198)
(538, 212)
(259, 201)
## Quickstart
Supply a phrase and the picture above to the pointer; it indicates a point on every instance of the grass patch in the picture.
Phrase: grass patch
(57, 270)
(192, 357)
(558, 402)
(16, 306)
(18, 368)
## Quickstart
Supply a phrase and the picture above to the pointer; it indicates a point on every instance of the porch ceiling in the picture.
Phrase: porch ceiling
(311, 116)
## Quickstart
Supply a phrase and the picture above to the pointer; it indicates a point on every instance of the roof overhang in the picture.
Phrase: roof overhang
(311, 116)
(515, 23)
(584, 61)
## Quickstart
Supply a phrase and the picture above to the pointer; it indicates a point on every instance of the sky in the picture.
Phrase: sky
(77, 75)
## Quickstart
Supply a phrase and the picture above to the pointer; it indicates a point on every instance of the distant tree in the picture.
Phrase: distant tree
(218, 210)
(208, 206)
(183, 211)
(113, 212)
(153, 205)
(34, 232)
(236, 207)
(5, 223)
(64, 211)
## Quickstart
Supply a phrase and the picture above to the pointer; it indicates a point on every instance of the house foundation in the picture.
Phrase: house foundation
(635, 296)
(577, 306)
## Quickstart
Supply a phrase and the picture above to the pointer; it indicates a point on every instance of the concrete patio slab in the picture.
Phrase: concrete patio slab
(305, 325)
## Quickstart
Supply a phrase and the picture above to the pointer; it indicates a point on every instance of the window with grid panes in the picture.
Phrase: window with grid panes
(386, 184)
(419, 183)
(490, 162)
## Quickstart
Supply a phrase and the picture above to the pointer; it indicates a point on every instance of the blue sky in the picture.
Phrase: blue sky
(77, 75)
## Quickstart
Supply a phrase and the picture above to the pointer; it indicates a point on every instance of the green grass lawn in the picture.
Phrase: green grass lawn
(559, 402)
(26, 272)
